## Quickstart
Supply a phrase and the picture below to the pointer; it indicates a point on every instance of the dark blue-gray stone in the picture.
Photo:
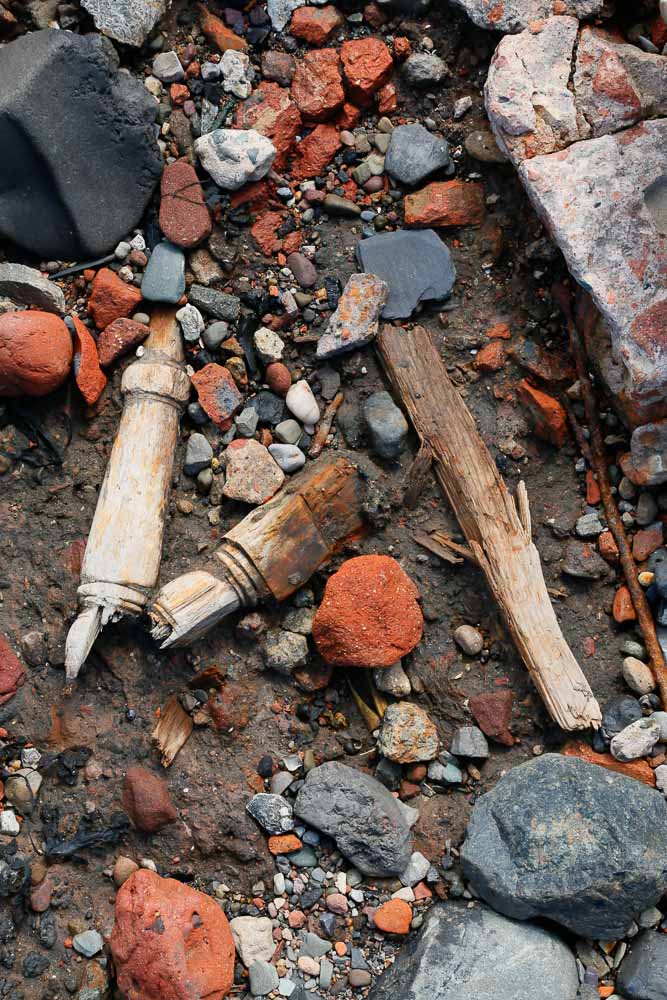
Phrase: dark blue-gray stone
(472, 953)
(643, 973)
(416, 265)
(364, 819)
(415, 153)
(569, 841)
(215, 303)
(164, 277)
(79, 153)
(387, 427)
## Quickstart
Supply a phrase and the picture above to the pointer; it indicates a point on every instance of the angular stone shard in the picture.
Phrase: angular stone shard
(515, 15)
(55, 165)
(468, 952)
(127, 21)
(355, 322)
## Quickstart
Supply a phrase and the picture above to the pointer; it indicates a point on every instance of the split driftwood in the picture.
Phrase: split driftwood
(271, 552)
(498, 534)
(122, 558)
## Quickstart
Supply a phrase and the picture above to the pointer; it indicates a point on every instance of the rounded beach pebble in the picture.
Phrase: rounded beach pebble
(369, 615)
(35, 353)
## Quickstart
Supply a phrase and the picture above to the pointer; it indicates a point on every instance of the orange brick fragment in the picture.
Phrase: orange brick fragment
(592, 489)
(623, 609)
(284, 843)
(548, 416)
(446, 203)
(640, 770)
(393, 917)
(491, 358)
(608, 548)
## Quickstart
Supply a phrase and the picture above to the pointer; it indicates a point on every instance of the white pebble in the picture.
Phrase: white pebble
(288, 457)
(302, 403)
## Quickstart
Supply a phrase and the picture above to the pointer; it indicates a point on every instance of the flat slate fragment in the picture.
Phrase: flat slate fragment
(54, 165)
(417, 266)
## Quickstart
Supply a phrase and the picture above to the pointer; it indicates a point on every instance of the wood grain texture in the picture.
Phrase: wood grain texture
(497, 532)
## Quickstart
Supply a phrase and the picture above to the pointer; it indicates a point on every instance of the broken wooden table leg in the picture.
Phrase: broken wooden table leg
(273, 551)
(122, 558)
(497, 532)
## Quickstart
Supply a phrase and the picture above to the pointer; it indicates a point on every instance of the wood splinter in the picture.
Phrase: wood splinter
(122, 557)
(498, 531)
(273, 551)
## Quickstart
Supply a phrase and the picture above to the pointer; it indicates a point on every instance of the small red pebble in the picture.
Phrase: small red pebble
(111, 298)
(393, 917)
(179, 94)
(284, 843)
(446, 203)
(278, 378)
(387, 98)
(402, 47)
(592, 489)
(500, 331)
(340, 948)
(119, 338)
(548, 416)
(12, 674)
(89, 377)
(296, 919)
(491, 358)
(647, 541)
(608, 548)
(367, 65)
(315, 25)
(315, 152)
(623, 609)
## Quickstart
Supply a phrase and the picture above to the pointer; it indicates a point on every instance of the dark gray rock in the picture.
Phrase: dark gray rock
(362, 816)
(583, 562)
(424, 69)
(215, 303)
(272, 812)
(416, 265)
(164, 277)
(643, 973)
(387, 427)
(198, 455)
(473, 953)
(79, 152)
(414, 154)
(570, 841)
(620, 712)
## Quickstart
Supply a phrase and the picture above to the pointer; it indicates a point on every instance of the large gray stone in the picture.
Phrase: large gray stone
(570, 841)
(362, 816)
(643, 973)
(515, 15)
(416, 265)
(127, 21)
(79, 152)
(414, 154)
(472, 953)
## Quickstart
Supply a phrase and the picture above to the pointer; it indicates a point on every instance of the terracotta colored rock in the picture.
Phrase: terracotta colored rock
(369, 615)
(641, 770)
(271, 112)
(217, 392)
(118, 339)
(446, 203)
(593, 495)
(252, 476)
(492, 711)
(218, 34)
(402, 47)
(184, 217)
(387, 98)
(393, 917)
(90, 378)
(35, 353)
(608, 548)
(367, 65)
(499, 331)
(316, 152)
(491, 357)
(548, 416)
(317, 87)
(111, 298)
(265, 232)
(284, 843)
(349, 116)
(12, 674)
(170, 942)
(315, 25)
(146, 800)
(623, 609)
(40, 897)
(647, 541)
(278, 378)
